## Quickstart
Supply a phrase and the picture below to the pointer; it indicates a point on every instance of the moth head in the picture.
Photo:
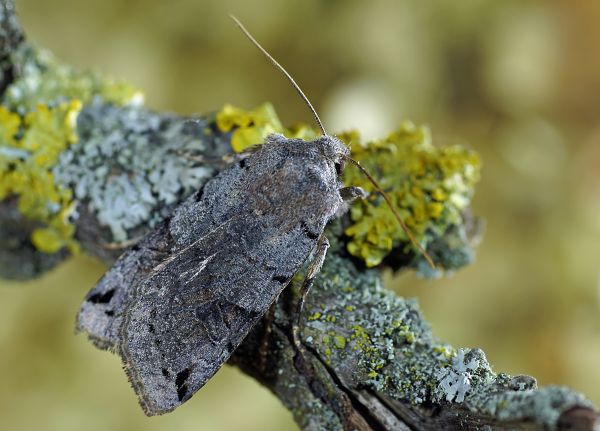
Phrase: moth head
(334, 150)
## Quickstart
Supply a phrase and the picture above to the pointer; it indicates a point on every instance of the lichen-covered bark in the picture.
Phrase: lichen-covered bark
(374, 349)
(127, 172)
(19, 259)
(370, 360)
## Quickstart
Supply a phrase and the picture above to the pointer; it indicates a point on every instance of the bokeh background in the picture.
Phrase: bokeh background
(517, 80)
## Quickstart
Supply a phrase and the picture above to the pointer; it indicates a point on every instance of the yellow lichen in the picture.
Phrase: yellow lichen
(9, 126)
(428, 185)
(315, 316)
(447, 352)
(25, 170)
(250, 128)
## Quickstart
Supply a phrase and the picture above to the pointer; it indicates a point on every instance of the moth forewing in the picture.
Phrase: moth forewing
(102, 310)
(260, 223)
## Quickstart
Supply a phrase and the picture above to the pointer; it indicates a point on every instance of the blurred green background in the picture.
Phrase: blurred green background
(519, 81)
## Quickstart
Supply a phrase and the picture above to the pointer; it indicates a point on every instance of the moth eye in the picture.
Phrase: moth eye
(339, 167)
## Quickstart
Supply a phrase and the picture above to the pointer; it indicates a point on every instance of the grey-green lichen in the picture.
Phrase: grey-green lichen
(134, 165)
(353, 323)
(389, 332)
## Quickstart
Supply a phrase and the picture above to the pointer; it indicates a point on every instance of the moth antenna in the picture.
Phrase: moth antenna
(282, 70)
(387, 199)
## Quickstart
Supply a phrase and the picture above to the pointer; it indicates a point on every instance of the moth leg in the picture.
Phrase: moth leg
(121, 245)
(337, 399)
(351, 193)
(264, 342)
(313, 269)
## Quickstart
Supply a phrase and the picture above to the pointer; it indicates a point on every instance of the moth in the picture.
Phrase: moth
(177, 304)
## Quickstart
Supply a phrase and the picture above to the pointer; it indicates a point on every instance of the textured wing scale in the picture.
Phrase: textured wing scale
(101, 312)
(186, 319)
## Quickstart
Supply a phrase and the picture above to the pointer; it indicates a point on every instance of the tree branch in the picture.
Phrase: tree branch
(371, 361)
